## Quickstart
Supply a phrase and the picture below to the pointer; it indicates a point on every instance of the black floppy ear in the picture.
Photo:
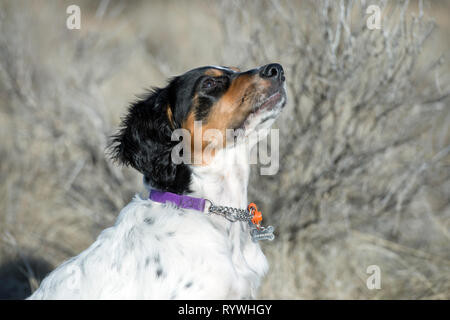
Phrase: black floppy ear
(144, 142)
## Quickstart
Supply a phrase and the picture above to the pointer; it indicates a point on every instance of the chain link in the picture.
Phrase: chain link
(257, 233)
(230, 213)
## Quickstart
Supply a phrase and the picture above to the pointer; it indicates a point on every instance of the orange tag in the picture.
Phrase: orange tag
(257, 215)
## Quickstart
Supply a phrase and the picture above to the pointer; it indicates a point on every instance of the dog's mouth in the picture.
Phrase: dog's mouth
(264, 110)
(267, 109)
(270, 103)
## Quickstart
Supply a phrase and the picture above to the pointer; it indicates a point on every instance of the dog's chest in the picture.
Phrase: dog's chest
(198, 259)
(155, 252)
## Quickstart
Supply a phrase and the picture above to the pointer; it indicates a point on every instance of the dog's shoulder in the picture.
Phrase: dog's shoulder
(150, 243)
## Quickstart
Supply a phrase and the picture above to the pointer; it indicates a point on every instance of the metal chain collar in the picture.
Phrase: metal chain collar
(230, 213)
(234, 214)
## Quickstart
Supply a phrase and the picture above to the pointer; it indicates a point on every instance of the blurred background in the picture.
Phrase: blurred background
(364, 173)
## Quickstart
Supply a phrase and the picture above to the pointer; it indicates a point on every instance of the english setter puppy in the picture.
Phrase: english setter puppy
(194, 237)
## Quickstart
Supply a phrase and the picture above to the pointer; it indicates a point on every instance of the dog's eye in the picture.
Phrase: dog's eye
(208, 84)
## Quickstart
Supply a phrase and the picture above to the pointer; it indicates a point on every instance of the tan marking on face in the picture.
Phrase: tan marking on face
(236, 104)
(235, 69)
(214, 72)
(229, 111)
(198, 153)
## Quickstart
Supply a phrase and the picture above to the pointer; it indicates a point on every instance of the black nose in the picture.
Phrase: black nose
(273, 71)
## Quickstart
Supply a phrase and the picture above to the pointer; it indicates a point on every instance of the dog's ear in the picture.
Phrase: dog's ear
(144, 142)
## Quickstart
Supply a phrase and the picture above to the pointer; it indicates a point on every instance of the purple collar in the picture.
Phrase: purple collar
(181, 201)
(251, 215)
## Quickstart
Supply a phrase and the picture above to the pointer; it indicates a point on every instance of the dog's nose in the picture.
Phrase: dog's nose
(272, 71)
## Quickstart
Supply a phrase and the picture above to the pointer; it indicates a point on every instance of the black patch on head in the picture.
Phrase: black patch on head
(203, 108)
(144, 140)
(208, 96)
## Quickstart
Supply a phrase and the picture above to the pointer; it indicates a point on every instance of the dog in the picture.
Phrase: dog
(168, 246)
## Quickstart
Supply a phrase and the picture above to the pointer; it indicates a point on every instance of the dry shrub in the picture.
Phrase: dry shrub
(55, 128)
(364, 176)
(364, 166)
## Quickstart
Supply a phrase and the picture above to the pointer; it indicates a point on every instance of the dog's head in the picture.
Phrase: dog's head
(218, 98)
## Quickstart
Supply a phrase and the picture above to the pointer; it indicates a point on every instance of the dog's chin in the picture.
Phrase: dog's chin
(264, 114)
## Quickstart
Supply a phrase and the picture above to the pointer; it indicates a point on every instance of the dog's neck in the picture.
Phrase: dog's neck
(225, 180)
